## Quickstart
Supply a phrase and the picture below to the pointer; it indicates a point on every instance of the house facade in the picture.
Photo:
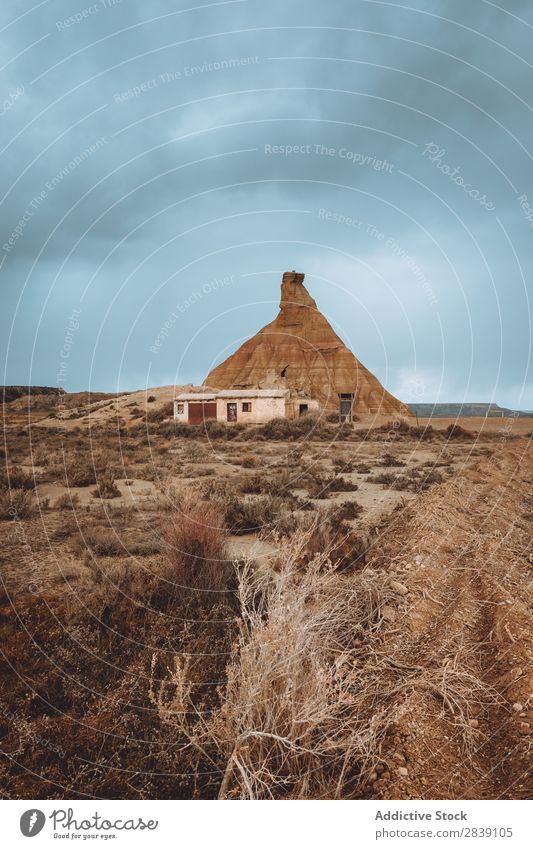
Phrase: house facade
(246, 406)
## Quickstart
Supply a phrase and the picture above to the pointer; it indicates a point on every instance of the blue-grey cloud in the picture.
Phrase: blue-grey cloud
(162, 165)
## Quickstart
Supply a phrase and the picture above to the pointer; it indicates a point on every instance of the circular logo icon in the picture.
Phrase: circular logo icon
(32, 822)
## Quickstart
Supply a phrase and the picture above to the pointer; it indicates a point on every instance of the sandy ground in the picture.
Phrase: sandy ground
(465, 562)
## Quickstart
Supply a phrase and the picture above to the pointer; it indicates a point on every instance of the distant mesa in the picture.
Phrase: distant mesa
(301, 352)
(486, 410)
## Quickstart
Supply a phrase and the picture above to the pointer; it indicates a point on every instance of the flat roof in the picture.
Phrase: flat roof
(196, 396)
(233, 393)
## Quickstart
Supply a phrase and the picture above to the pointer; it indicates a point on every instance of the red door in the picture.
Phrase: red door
(200, 411)
(232, 412)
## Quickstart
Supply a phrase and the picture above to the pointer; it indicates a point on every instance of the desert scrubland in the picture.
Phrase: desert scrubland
(294, 610)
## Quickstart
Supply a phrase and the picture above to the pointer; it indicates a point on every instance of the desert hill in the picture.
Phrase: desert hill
(300, 350)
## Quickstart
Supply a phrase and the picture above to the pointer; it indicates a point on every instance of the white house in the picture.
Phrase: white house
(247, 406)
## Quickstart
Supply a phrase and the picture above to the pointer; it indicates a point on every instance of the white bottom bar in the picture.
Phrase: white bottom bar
(287, 825)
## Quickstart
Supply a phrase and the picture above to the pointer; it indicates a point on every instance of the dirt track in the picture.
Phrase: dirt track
(463, 552)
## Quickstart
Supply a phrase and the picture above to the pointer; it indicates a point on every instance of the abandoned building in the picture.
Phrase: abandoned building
(246, 406)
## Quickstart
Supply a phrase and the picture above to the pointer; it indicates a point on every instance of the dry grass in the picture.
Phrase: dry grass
(300, 714)
(252, 515)
(195, 557)
(288, 723)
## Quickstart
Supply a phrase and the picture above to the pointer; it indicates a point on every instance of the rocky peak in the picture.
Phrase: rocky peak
(301, 351)
(293, 296)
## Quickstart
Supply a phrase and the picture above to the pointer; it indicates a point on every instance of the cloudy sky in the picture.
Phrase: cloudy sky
(163, 163)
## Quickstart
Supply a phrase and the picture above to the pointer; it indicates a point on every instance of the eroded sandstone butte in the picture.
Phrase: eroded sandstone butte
(300, 351)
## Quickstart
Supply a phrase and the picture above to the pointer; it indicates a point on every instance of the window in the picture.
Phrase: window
(247, 406)
(180, 409)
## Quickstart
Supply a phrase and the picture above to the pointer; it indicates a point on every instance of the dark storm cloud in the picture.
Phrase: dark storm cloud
(149, 150)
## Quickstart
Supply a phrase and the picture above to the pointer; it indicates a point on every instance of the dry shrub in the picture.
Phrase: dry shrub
(105, 542)
(349, 510)
(17, 504)
(195, 556)
(106, 487)
(249, 461)
(79, 470)
(401, 427)
(415, 480)
(164, 412)
(197, 471)
(456, 432)
(218, 489)
(278, 484)
(217, 430)
(385, 478)
(195, 453)
(390, 460)
(185, 430)
(278, 428)
(422, 481)
(145, 473)
(44, 456)
(320, 487)
(424, 432)
(16, 478)
(310, 425)
(67, 501)
(248, 515)
(327, 534)
(343, 465)
(101, 541)
(254, 484)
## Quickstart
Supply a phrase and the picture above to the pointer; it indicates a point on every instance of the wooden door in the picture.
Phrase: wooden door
(199, 412)
(232, 412)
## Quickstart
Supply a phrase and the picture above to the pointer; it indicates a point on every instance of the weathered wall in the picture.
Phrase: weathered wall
(293, 407)
(181, 417)
(263, 409)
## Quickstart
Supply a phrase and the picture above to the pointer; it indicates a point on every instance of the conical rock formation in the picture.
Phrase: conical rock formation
(300, 351)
